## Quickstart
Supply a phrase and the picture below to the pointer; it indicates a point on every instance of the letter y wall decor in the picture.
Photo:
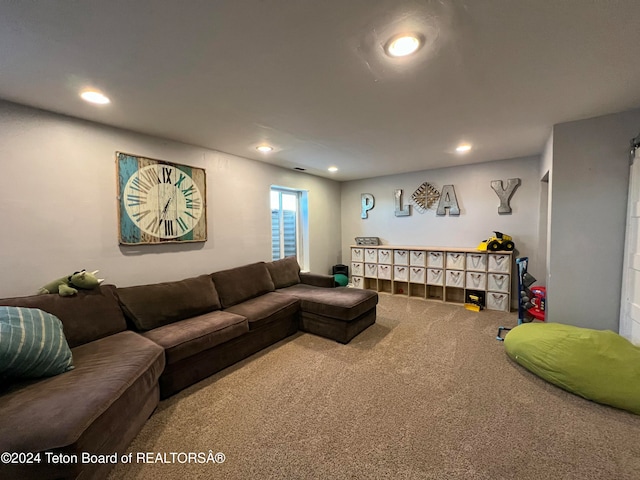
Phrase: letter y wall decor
(505, 194)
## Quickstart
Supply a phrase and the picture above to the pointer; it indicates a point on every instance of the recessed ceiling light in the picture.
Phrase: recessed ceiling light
(332, 169)
(463, 148)
(264, 148)
(93, 96)
(403, 45)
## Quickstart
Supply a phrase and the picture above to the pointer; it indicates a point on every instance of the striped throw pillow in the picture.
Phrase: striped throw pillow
(32, 344)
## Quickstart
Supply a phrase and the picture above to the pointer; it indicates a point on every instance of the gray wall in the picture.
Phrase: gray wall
(59, 212)
(588, 201)
(478, 209)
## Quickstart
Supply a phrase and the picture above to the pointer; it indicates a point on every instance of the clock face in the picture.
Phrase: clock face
(163, 201)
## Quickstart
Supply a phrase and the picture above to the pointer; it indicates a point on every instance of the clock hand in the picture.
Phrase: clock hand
(166, 207)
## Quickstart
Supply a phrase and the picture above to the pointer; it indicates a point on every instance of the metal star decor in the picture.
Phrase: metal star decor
(425, 197)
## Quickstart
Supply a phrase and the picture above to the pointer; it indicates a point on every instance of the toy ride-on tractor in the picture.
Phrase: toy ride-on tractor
(500, 242)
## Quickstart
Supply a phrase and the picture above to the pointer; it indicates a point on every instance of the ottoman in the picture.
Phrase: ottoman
(338, 313)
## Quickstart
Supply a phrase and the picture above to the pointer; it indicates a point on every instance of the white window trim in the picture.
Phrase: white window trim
(302, 223)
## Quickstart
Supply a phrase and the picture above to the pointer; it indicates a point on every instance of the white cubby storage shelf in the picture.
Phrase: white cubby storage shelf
(434, 273)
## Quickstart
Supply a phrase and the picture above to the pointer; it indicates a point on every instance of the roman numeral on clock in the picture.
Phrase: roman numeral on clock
(192, 204)
(140, 215)
(168, 227)
(139, 185)
(180, 180)
(151, 177)
(187, 192)
(166, 175)
(182, 224)
(154, 225)
(134, 200)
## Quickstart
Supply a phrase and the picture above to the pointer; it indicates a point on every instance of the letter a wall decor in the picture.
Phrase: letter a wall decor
(160, 202)
(448, 200)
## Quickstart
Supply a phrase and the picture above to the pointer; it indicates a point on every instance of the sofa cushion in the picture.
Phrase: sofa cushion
(188, 337)
(32, 344)
(317, 279)
(341, 303)
(284, 272)
(242, 283)
(86, 316)
(158, 304)
(266, 309)
(58, 410)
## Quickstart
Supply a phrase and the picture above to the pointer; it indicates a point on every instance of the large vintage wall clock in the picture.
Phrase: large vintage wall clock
(160, 201)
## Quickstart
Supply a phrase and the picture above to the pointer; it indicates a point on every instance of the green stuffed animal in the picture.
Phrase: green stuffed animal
(69, 285)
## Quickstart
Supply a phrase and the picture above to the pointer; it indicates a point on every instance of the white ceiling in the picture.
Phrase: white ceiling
(310, 76)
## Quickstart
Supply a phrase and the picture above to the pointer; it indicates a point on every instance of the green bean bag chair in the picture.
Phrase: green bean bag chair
(599, 365)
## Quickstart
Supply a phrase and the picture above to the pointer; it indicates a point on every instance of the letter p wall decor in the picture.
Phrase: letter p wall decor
(367, 204)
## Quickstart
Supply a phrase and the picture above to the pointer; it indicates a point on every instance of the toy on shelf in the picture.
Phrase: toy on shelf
(501, 241)
(474, 302)
(367, 241)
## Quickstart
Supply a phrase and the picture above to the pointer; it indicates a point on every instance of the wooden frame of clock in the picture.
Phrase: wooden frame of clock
(159, 201)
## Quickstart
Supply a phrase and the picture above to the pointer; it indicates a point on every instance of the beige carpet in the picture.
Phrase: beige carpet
(425, 393)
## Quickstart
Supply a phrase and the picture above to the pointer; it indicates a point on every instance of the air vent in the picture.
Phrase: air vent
(299, 169)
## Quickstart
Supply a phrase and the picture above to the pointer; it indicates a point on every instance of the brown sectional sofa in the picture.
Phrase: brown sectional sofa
(134, 345)
(97, 407)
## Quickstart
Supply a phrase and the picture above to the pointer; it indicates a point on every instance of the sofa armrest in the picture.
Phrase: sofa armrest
(317, 279)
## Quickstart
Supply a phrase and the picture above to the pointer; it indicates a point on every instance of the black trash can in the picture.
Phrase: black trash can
(343, 269)
(341, 275)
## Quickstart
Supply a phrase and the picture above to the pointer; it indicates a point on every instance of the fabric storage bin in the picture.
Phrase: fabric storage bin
(435, 276)
(499, 263)
(455, 278)
(401, 257)
(357, 254)
(455, 260)
(416, 275)
(384, 272)
(418, 258)
(401, 273)
(385, 256)
(476, 262)
(476, 280)
(357, 269)
(498, 301)
(371, 270)
(498, 282)
(435, 259)
(371, 255)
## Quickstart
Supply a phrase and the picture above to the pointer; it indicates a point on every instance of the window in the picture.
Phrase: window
(288, 224)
